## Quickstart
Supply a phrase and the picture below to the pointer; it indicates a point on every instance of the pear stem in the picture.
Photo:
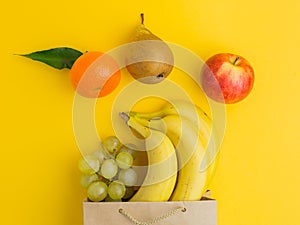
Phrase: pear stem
(142, 18)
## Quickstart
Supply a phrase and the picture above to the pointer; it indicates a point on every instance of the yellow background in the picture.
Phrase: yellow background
(257, 181)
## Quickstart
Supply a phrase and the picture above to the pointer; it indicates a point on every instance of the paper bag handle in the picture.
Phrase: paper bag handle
(156, 219)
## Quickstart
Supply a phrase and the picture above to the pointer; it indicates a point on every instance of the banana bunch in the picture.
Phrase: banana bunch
(189, 130)
(161, 175)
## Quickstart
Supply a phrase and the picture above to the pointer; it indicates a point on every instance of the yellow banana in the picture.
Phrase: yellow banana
(201, 122)
(200, 119)
(174, 107)
(162, 168)
(191, 181)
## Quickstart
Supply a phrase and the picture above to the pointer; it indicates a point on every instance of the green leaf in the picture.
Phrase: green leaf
(58, 58)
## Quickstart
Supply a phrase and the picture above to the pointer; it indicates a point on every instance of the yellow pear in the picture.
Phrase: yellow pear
(148, 58)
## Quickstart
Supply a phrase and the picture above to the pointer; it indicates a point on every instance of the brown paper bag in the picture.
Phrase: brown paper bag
(202, 212)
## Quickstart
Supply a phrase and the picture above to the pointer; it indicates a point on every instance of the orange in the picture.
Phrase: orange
(95, 74)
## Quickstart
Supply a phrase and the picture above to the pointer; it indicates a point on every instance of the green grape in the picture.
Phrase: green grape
(89, 164)
(109, 199)
(112, 144)
(125, 148)
(109, 168)
(124, 160)
(129, 177)
(97, 191)
(129, 193)
(116, 190)
(100, 155)
(86, 180)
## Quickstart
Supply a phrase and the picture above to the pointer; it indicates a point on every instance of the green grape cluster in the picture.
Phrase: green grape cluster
(107, 173)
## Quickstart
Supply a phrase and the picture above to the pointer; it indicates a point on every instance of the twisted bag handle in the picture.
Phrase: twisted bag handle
(156, 219)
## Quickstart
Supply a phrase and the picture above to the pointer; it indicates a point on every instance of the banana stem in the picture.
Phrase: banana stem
(141, 121)
(124, 116)
(131, 122)
(155, 124)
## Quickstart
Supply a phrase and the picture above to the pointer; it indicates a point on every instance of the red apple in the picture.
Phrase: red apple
(227, 78)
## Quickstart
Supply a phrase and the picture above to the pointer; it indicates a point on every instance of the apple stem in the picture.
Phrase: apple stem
(142, 18)
(236, 59)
